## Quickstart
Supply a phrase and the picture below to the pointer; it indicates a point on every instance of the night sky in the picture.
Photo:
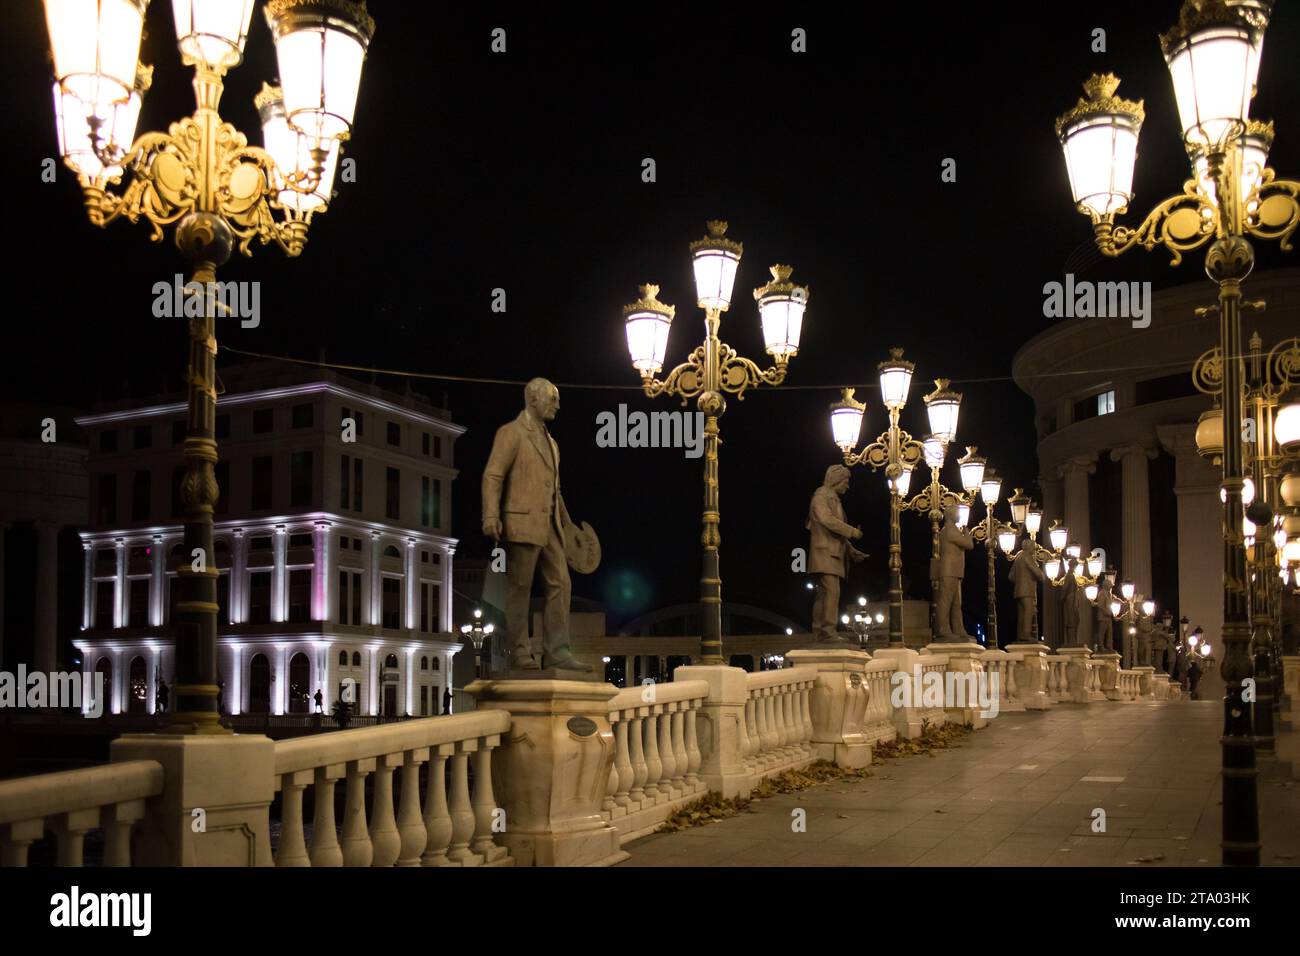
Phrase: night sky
(523, 171)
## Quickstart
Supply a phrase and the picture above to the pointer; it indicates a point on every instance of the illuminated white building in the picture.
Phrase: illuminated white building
(330, 537)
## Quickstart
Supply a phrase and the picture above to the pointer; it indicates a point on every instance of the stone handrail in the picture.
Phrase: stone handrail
(74, 802)
(777, 729)
(656, 755)
(452, 830)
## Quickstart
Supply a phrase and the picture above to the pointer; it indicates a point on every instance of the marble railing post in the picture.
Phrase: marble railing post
(720, 729)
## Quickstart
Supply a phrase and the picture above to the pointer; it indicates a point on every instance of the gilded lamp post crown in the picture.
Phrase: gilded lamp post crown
(1101, 100)
(649, 302)
(717, 239)
(1196, 15)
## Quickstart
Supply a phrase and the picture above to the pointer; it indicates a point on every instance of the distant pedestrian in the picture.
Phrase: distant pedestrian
(446, 701)
(320, 701)
(162, 697)
(1193, 676)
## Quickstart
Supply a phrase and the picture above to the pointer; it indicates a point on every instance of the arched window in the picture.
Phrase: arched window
(424, 663)
(137, 693)
(343, 658)
(390, 660)
(356, 658)
(299, 684)
(392, 552)
(435, 663)
(259, 684)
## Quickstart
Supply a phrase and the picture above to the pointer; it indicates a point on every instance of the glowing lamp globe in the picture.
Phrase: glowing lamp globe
(715, 259)
(942, 407)
(647, 321)
(1059, 536)
(1033, 521)
(972, 470)
(846, 420)
(1099, 138)
(96, 48)
(1007, 539)
(990, 489)
(211, 33)
(1052, 568)
(935, 450)
(1094, 565)
(296, 156)
(1127, 589)
(1148, 607)
(1090, 592)
(895, 379)
(963, 515)
(1286, 427)
(1115, 608)
(1209, 433)
(781, 305)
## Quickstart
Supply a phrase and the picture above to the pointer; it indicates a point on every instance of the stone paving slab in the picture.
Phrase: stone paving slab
(1020, 792)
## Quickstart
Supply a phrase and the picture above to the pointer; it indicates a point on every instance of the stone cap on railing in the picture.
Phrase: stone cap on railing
(781, 677)
(31, 798)
(321, 750)
(633, 697)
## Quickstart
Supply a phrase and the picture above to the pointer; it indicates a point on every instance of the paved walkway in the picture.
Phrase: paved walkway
(1020, 792)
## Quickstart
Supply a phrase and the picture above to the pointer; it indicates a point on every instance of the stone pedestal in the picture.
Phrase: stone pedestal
(1076, 672)
(963, 705)
(1031, 675)
(230, 778)
(552, 769)
(717, 727)
(1146, 677)
(907, 720)
(838, 704)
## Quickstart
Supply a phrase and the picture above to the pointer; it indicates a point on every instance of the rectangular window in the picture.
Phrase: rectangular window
(223, 597)
(300, 478)
(395, 434)
(263, 420)
(259, 597)
(261, 483)
(424, 701)
(426, 501)
(260, 543)
(223, 426)
(428, 607)
(392, 603)
(343, 542)
(104, 591)
(1106, 402)
(107, 499)
(358, 498)
(437, 446)
(301, 540)
(302, 416)
(345, 496)
(393, 495)
(349, 600)
(425, 443)
(140, 489)
(300, 595)
(139, 603)
(142, 436)
(108, 441)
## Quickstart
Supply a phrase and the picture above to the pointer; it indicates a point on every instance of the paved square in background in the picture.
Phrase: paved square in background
(1021, 792)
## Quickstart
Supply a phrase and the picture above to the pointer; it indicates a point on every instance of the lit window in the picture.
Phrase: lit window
(1106, 402)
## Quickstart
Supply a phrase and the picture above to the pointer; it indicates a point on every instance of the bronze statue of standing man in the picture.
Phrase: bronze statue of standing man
(1026, 575)
(830, 551)
(522, 506)
(954, 542)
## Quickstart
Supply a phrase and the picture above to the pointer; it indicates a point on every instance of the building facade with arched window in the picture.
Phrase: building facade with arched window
(331, 542)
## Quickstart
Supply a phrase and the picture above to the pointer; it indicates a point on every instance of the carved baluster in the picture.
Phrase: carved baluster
(744, 741)
(409, 823)
(622, 763)
(654, 766)
(763, 735)
(485, 802)
(680, 761)
(15, 838)
(437, 821)
(666, 755)
(462, 812)
(70, 832)
(121, 817)
(356, 848)
(385, 839)
(293, 844)
(693, 749)
(325, 849)
(805, 701)
(635, 734)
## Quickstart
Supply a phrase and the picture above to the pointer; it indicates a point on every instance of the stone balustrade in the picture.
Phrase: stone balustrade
(72, 803)
(656, 762)
(1002, 665)
(878, 723)
(1128, 685)
(452, 828)
(777, 730)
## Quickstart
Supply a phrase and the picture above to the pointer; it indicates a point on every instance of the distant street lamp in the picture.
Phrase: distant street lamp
(477, 632)
(711, 369)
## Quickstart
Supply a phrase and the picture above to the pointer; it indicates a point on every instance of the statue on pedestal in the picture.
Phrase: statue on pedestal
(523, 507)
(954, 542)
(1146, 631)
(1026, 574)
(1102, 621)
(829, 551)
(1070, 607)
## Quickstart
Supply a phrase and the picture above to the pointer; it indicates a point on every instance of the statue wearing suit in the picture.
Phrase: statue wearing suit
(1026, 575)
(830, 551)
(522, 507)
(1103, 623)
(1070, 592)
(953, 545)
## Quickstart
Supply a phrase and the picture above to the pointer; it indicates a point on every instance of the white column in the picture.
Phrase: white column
(87, 676)
(410, 682)
(329, 675)
(444, 590)
(1136, 565)
(87, 585)
(412, 586)
(375, 578)
(374, 681)
(119, 586)
(322, 572)
(157, 587)
(151, 681)
(119, 682)
(279, 576)
(239, 578)
(281, 695)
(236, 689)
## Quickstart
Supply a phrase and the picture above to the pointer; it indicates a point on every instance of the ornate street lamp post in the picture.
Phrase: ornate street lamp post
(711, 369)
(1213, 54)
(203, 177)
(991, 532)
(898, 453)
(477, 632)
